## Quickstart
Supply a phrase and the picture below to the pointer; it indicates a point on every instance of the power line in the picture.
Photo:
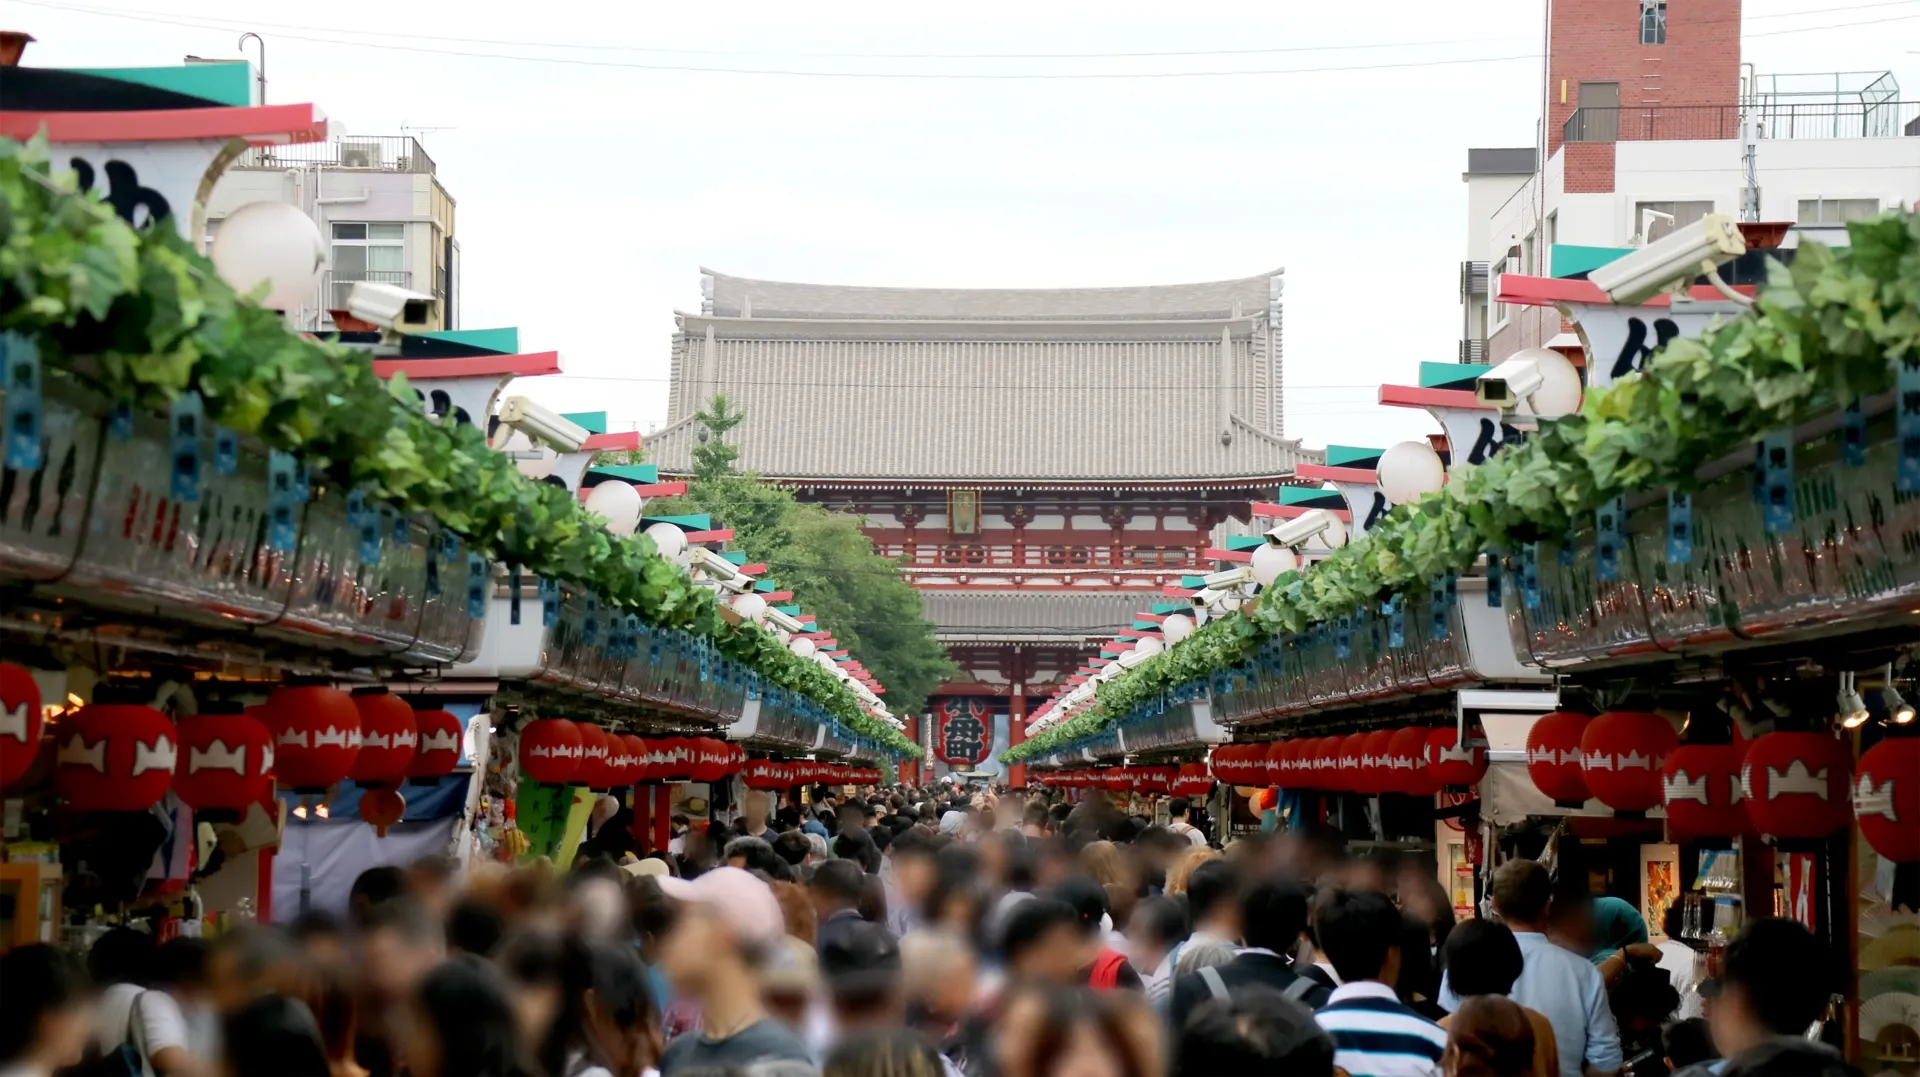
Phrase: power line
(729, 385)
(1834, 26)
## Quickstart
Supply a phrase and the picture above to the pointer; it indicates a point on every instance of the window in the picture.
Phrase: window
(1655, 220)
(372, 251)
(1837, 210)
(1553, 237)
(1653, 22)
(1528, 264)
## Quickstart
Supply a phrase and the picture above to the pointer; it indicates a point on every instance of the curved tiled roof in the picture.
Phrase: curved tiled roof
(1068, 614)
(733, 297)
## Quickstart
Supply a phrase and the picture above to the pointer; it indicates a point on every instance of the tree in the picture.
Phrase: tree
(824, 559)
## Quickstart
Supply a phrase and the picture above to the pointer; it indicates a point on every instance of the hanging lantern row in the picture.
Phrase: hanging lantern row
(778, 774)
(562, 752)
(1414, 761)
(1188, 780)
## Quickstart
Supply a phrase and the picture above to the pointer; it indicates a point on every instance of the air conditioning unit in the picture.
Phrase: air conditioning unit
(359, 155)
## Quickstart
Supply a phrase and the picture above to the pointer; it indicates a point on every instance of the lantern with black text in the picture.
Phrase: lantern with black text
(550, 751)
(1621, 753)
(439, 750)
(224, 763)
(1450, 763)
(1407, 765)
(389, 736)
(316, 735)
(115, 757)
(1886, 798)
(1797, 786)
(1700, 786)
(1553, 756)
(20, 721)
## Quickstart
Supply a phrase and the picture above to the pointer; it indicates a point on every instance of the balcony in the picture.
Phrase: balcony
(1696, 123)
(1473, 351)
(338, 286)
(1473, 280)
(352, 153)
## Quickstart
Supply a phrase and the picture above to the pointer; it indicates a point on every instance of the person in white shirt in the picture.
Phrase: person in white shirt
(1680, 961)
(1177, 810)
(1213, 898)
(122, 963)
(45, 1011)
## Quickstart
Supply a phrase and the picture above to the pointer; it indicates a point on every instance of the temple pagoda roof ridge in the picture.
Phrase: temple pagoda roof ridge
(726, 295)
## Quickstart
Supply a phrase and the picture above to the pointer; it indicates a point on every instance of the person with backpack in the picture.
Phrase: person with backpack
(1103, 966)
(137, 1031)
(1177, 811)
(1273, 916)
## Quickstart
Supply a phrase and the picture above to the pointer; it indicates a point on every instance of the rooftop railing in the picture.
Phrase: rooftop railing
(1681, 123)
(359, 153)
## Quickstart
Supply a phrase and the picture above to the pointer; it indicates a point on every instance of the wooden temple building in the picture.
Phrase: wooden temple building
(1045, 462)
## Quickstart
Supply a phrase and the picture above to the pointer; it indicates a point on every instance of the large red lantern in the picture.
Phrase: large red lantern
(389, 736)
(1700, 786)
(1407, 763)
(551, 751)
(115, 757)
(1886, 798)
(1374, 766)
(1192, 781)
(225, 762)
(1553, 756)
(1797, 786)
(1348, 778)
(20, 721)
(1621, 753)
(1152, 779)
(677, 759)
(1450, 764)
(636, 759)
(1115, 779)
(439, 751)
(1222, 762)
(316, 735)
(764, 774)
(596, 758)
(711, 759)
(620, 761)
(1273, 762)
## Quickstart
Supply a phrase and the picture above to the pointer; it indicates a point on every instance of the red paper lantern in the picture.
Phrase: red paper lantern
(225, 762)
(1886, 798)
(1553, 756)
(1152, 779)
(1221, 762)
(1621, 753)
(676, 759)
(596, 758)
(551, 750)
(620, 761)
(1450, 764)
(1192, 781)
(763, 774)
(115, 757)
(1797, 785)
(710, 757)
(382, 807)
(636, 759)
(1273, 759)
(1700, 786)
(1407, 764)
(388, 737)
(1347, 777)
(1374, 765)
(439, 751)
(20, 721)
(316, 735)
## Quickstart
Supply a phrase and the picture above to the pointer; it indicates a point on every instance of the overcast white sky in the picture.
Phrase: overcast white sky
(590, 193)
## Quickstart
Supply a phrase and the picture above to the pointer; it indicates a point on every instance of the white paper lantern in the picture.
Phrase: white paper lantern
(1149, 646)
(270, 243)
(668, 539)
(1409, 469)
(751, 606)
(1176, 627)
(1559, 392)
(1270, 562)
(619, 504)
(802, 647)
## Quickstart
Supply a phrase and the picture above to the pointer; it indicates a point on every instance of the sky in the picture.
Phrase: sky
(595, 175)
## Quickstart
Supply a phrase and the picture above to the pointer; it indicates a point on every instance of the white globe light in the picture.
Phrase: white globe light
(1149, 646)
(1270, 562)
(1332, 538)
(270, 243)
(801, 648)
(1559, 392)
(668, 539)
(751, 606)
(1409, 469)
(820, 658)
(1176, 627)
(839, 672)
(619, 504)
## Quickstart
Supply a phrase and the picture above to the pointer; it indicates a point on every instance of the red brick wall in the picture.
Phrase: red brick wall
(1599, 41)
(1589, 167)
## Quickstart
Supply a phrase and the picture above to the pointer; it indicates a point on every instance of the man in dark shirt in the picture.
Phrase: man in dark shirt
(1102, 967)
(729, 924)
(1273, 915)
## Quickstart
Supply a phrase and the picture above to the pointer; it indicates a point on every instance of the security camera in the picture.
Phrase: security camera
(1295, 532)
(1506, 385)
(782, 621)
(1683, 254)
(541, 424)
(1205, 598)
(1233, 577)
(393, 308)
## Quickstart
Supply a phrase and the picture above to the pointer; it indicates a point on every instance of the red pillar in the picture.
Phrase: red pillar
(1017, 731)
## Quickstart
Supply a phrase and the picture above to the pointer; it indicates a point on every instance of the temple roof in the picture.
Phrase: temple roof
(734, 297)
(1066, 615)
(1154, 384)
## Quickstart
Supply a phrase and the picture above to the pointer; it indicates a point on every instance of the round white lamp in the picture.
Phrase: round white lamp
(1332, 537)
(801, 647)
(751, 606)
(274, 244)
(782, 634)
(820, 658)
(669, 540)
(1408, 470)
(617, 503)
(1176, 627)
(1559, 392)
(1270, 562)
(1149, 646)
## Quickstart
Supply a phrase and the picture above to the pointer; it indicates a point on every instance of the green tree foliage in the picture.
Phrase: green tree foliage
(824, 559)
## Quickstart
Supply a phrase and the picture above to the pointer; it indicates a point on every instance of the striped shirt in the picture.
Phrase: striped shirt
(1374, 1035)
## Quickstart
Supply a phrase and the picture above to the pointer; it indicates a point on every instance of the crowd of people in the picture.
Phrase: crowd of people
(926, 933)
